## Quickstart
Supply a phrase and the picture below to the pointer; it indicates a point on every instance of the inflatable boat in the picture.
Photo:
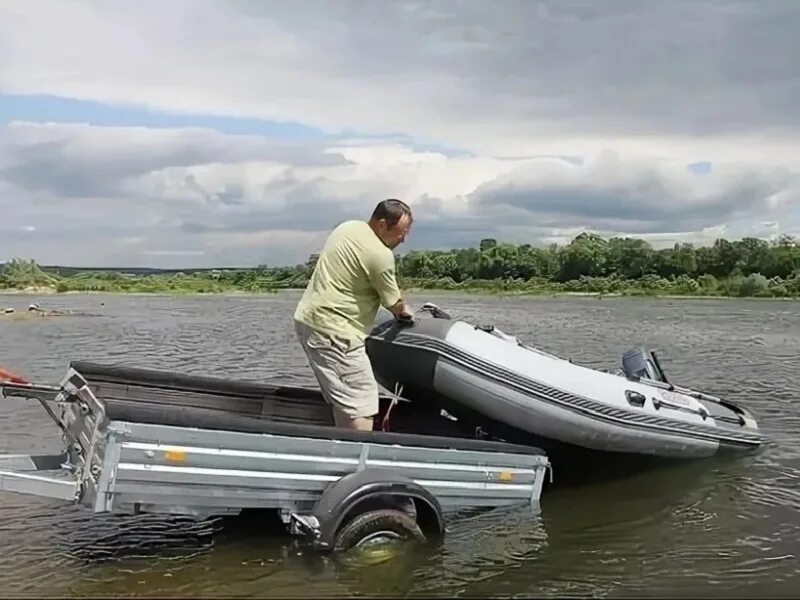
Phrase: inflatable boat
(491, 379)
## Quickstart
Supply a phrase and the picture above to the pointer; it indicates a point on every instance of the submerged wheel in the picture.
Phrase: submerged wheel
(378, 526)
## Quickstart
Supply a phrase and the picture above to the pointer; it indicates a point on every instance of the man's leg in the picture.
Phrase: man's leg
(345, 376)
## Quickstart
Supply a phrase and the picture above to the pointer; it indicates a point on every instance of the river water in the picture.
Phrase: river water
(714, 528)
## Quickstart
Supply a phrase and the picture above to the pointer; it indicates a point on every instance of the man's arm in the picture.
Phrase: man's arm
(383, 279)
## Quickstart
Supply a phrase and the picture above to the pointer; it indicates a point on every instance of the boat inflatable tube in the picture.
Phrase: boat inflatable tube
(475, 369)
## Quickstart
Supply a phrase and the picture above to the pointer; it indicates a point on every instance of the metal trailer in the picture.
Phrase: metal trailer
(140, 440)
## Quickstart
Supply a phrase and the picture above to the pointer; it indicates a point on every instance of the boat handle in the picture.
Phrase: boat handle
(658, 403)
(634, 398)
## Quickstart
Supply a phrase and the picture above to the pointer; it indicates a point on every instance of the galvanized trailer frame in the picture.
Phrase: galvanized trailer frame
(138, 440)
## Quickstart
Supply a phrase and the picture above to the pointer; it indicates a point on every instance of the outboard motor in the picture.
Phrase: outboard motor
(637, 364)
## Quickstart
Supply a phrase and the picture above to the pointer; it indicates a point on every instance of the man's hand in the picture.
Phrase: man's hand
(403, 311)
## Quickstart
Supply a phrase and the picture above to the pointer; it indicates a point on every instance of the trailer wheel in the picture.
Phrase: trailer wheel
(378, 526)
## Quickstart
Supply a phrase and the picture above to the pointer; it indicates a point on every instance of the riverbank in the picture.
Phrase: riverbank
(34, 315)
(51, 291)
(416, 290)
(598, 295)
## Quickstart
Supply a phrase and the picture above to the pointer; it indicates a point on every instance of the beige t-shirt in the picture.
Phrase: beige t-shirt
(353, 277)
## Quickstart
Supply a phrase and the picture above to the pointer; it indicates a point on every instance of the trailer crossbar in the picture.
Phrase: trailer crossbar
(38, 476)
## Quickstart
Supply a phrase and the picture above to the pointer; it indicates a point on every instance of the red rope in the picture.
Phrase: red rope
(385, 422)
(10, 377)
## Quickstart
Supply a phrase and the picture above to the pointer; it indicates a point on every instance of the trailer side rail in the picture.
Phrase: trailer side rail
(163, 468)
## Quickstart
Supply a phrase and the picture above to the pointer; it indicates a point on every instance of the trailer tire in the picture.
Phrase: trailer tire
(386, 523)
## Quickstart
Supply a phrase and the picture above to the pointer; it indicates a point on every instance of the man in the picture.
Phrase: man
(354, 276)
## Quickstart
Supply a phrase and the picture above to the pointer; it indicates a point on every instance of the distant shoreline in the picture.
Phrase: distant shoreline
(51, 291)
(483, 272)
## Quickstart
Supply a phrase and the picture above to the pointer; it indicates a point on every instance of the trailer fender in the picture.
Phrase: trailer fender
(372, 490)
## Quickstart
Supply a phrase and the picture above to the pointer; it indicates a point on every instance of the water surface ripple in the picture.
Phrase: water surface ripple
(716, 528)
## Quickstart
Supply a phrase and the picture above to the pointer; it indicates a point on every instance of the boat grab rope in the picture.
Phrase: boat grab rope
(398, 391)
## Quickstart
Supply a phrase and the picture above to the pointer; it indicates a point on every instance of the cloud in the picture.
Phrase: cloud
(521, 76)
(613, 193)
(151, 196)
(195, 197)
(78, 160)
(670, 121)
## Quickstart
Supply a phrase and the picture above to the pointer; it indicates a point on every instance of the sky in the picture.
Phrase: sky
(196, 133)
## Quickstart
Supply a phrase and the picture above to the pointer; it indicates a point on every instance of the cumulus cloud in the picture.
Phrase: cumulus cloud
(613, 193)
(567, 115)
(195, 197)
(79, 160)
(151, 196)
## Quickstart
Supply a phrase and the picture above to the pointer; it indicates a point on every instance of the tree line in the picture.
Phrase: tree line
(588, 263)
(590, 255)
(750, 266)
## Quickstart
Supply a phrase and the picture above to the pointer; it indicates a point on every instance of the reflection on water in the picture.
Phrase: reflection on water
(721, 527)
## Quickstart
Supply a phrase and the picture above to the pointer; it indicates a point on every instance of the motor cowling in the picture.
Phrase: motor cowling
(637, 364)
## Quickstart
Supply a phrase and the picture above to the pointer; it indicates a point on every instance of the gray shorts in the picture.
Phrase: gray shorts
(343, 371)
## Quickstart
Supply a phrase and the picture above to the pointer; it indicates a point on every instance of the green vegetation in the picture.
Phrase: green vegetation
(21, 274)
(589, 264)
(626, 266)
